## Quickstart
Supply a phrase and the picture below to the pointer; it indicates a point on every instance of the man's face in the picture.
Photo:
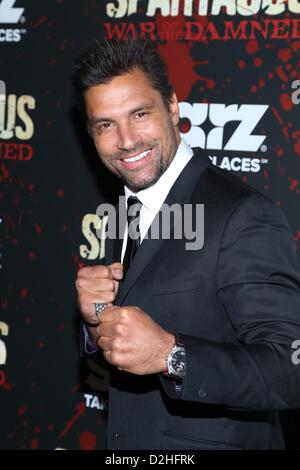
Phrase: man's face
(134, 132)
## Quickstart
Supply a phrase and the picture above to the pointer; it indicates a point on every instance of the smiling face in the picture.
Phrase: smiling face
(135, 134)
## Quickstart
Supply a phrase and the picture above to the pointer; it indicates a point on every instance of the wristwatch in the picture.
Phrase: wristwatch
(176, 360)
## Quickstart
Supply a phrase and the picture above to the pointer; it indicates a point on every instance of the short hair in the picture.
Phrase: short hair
(108, 59)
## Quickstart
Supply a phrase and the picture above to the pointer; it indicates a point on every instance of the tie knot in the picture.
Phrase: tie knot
(134, 206)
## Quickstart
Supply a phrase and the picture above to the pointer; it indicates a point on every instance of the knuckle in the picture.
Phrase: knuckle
(124, 314)
(115, 344)
(79, 283)
(110, 296)
(83, 272)
(120, 329)
(110, 285)
(106, 272)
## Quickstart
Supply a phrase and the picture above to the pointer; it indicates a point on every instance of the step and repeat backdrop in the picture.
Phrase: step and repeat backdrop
(235, 68)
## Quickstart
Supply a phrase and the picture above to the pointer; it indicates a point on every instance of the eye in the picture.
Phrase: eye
(101, 127)
(141, 114)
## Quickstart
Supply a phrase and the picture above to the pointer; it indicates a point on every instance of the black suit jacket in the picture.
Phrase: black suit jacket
(236, 304)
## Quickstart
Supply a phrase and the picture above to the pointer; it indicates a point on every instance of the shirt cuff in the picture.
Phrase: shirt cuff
(89, 347)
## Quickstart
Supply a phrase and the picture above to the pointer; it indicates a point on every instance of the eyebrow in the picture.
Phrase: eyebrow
(143, 106)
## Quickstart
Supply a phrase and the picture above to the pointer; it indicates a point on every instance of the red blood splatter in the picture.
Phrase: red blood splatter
(281, 74)
(253, 89)
(40, 21)
(35, 443)
(270, 75)
(2, 378)
(38, 228)
(5, 172)
(60, 193)
(285, 54)
(80, 410)
(279, 152)
(257, 62)
(22, 410)
(286, 102)
(24, 293)
(87, 441)
(252, 46)
(178, 58)
(261, 83)
(210, 83)
(293, 184)
(241, 64)
(185, 126)
(277, 115)
(297, 148)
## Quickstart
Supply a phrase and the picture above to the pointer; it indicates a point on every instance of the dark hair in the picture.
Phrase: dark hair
(108, 59)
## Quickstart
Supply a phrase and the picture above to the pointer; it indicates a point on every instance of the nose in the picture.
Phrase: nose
(127, 137)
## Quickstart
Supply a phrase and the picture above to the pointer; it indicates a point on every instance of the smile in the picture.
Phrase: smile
(140, 156)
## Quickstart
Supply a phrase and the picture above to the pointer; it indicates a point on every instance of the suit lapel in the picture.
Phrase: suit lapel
(179, 193)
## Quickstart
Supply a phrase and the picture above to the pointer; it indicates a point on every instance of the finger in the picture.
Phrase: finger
(107, 329)
(100, 271)
(110, 314)
(105, 343)
(95, 284)
(87, 303)
(117, 271)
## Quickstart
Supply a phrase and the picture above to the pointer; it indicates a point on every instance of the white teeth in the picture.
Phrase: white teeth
(138, 157)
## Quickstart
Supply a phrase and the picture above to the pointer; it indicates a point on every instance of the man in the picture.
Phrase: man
(198, 342)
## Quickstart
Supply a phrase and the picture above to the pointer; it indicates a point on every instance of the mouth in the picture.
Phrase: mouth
(137, 160)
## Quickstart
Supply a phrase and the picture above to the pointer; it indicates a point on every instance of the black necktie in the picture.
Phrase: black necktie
(133, 237)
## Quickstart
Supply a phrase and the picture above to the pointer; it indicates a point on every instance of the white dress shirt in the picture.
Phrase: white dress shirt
(153, 197)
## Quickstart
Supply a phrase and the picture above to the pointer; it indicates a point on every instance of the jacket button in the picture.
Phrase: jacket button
(116, 435)
(202, 393)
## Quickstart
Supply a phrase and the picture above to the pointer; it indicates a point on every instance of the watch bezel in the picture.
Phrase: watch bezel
(171, 371)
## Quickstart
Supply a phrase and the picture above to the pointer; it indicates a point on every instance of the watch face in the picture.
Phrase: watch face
(177, 362)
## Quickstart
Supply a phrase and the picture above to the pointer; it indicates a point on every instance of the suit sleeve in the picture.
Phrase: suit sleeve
(258, 285)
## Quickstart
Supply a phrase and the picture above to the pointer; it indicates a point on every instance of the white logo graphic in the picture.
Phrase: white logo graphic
(4, 330)
(8, 13)
(242, 139)
(203, 7)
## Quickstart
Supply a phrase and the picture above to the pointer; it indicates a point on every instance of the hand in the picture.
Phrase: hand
(97, 284)
(132, 341)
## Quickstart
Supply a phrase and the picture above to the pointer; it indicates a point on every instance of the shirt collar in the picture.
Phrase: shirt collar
(153, 197)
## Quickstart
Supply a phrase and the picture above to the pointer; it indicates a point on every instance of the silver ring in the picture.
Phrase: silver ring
(99, 307)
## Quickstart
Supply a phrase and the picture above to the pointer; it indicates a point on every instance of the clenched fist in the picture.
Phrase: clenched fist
(97, 284)
(132, 341)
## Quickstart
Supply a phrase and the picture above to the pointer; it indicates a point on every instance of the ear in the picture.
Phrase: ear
(174, 109)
